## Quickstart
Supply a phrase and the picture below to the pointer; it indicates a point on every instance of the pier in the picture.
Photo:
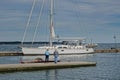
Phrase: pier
(5, 53)
(107, 51)
(43, 66)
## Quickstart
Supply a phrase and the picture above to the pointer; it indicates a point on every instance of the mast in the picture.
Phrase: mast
(52, 33)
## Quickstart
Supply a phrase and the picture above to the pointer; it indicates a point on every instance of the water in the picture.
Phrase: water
(9, 47)
(108, 45)
(107, 68)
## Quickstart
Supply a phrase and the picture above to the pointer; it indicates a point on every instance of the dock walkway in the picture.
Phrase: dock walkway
(42, 66)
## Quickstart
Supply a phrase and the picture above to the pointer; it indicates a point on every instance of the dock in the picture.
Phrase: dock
(43, 66)
(107, 51)
(11, 53)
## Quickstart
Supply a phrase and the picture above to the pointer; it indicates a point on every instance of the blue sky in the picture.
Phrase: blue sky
(96, 20)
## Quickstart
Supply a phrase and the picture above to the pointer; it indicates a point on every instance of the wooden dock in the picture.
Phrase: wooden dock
(11, 53)
(42, 66)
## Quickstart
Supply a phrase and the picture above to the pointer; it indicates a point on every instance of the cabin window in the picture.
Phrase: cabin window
(59, 47)
(65, 47)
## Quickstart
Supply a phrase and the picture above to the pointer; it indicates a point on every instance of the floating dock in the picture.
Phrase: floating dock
(43, 66)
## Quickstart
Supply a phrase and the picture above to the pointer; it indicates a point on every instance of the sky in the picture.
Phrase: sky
(96, 20)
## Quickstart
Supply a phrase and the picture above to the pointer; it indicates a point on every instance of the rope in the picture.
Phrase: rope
(38, 21)
(28, 22)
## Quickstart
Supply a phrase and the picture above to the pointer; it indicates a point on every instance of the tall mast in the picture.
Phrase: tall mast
(51, 21)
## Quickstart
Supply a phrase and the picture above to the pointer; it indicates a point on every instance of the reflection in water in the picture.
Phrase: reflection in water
(81, 57)
(47, 74)
(56, 74)
(51, 74)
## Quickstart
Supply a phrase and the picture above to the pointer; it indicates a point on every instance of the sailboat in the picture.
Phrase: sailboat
(72, 45)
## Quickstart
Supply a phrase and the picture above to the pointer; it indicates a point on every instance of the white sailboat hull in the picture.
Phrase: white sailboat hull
(66, 51)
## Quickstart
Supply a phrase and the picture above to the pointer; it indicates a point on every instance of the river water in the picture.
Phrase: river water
(107, 68)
